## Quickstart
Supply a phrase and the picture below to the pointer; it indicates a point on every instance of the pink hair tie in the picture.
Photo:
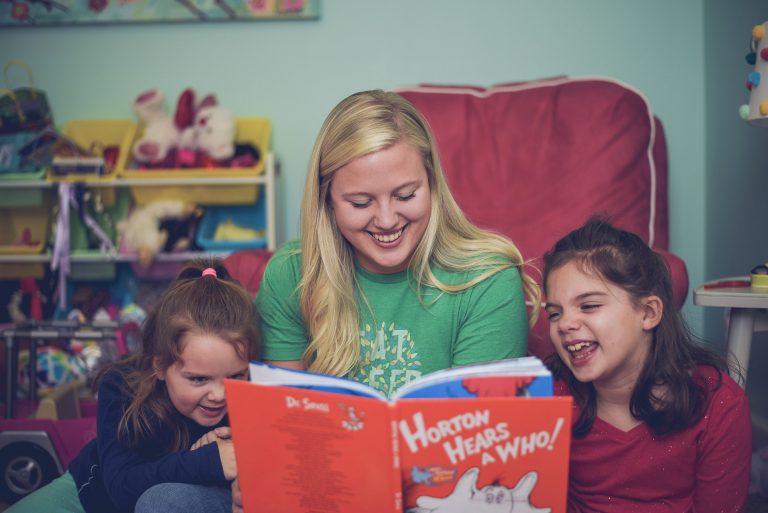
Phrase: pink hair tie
(210, 271)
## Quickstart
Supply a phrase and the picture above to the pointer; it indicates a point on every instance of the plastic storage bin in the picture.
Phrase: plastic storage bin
(97, 135)
(253, 131)
(157, 270)
(78, 239)
(241, 221)
(15, 222)
(32, 196)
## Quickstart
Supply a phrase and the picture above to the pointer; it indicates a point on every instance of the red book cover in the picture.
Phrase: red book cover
(307, 451)
(476, 439)
(491, 454)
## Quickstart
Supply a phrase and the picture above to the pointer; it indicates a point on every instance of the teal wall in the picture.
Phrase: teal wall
(294, 72)
(736, 176)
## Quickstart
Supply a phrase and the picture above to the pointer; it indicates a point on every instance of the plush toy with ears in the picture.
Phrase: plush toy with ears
(164, 136)
(141, 232)
(160, 135)
(215, 132)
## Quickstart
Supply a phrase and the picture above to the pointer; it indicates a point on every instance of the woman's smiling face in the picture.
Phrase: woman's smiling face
(381, 203)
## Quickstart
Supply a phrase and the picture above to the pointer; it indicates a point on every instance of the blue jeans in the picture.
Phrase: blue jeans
(185, 498)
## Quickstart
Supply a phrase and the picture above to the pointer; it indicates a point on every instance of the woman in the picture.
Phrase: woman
(389, 280)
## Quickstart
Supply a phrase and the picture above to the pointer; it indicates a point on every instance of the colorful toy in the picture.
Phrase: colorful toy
(39, 438)
(141, 232)
(55, 367)
(197, 134)
(756, 111)
(214, 130)
(758, 277)
(160, 131)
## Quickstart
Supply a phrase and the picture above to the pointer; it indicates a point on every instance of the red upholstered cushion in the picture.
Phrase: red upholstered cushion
(534, 160)
(247, 267)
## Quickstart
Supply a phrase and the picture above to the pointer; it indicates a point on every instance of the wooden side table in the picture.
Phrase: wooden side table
(748, 313)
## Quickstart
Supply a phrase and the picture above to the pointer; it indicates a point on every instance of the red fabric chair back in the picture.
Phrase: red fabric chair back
(535, 160)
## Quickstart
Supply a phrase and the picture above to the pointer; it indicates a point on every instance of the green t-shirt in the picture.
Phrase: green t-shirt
(408, 337)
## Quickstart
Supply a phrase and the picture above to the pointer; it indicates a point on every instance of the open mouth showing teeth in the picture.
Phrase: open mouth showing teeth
(581, 350)
(578, 346)
(389, 237)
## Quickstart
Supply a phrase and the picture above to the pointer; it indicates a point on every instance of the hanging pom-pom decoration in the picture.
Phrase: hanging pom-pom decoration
(754, 79)
(751, 58)
(758, 31)
(744, 112)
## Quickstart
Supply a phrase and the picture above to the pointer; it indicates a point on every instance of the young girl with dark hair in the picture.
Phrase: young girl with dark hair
(162, 439)
(659, 426)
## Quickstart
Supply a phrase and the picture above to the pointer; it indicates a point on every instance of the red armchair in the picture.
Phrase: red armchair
(534, 160)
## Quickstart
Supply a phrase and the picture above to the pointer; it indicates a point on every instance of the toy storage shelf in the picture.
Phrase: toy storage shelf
(25, 184)
(115, 257)
(265, 179)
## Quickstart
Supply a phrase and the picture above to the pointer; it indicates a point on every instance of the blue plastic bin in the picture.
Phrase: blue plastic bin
(252, 217)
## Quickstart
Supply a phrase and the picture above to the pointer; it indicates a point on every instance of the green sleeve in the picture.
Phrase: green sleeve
(282, 328)
(493, 321)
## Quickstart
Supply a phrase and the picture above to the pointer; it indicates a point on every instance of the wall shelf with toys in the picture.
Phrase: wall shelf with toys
(177, 188)
(126, 204)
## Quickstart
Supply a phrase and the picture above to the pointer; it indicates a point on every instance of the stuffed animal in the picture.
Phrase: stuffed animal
(197, 134)
(141, 232)
(186, 120)
(215, 132)
(160, 131)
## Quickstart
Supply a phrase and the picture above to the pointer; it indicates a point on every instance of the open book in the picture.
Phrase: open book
(486, 437)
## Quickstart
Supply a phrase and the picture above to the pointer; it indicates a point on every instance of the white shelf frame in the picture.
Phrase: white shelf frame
(267, 179)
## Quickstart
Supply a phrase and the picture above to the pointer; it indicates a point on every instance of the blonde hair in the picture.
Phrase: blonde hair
(361, 124)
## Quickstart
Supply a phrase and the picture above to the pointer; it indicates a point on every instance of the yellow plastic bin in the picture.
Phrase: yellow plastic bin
(18, 224)
(96, 135)
(254, 131)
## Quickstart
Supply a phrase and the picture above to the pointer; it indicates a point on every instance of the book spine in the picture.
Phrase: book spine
(397, 478)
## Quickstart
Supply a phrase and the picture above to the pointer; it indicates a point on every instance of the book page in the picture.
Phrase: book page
(453, 382)
(266, 374)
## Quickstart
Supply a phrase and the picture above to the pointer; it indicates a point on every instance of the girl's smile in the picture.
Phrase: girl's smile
(581, 351)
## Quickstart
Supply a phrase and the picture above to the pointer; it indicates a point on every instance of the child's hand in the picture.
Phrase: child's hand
(227, 456)
(237, 497)
(220, 433)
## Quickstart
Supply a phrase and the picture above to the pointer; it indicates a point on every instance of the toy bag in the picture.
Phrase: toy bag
(24, 112)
